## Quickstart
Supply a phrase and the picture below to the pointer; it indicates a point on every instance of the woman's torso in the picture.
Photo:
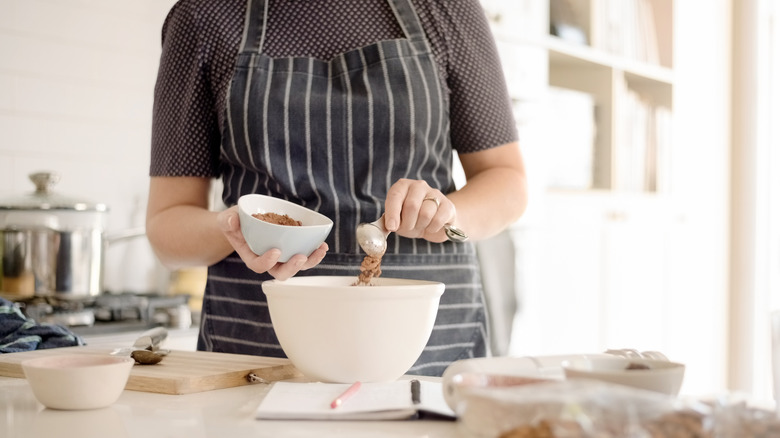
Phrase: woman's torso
(201, 39)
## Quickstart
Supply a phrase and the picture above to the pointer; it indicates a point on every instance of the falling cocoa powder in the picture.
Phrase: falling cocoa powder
(278, 219)
(370, 268)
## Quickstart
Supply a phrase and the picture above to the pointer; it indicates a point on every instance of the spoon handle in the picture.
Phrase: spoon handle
(455, 234)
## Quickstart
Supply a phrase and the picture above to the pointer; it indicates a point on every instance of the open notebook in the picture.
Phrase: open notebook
(397, 400)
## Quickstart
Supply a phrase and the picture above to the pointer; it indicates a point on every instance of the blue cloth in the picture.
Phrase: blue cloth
(19, 333)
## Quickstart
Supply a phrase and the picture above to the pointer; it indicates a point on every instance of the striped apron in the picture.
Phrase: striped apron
(334, 136)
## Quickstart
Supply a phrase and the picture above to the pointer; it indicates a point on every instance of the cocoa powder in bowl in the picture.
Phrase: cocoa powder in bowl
(278, 219)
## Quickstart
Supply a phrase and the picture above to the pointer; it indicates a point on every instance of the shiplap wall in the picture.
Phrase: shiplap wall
(76, 85)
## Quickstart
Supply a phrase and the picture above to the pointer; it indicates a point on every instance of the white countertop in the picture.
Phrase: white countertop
(224, 413)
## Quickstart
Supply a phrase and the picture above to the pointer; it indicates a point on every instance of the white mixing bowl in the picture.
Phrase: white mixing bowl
(333, 331)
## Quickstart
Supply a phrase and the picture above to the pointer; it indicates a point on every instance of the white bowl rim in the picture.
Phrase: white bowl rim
(311, 281)
(243, 200)
(656, 366)
(75, 361)
(381, 288)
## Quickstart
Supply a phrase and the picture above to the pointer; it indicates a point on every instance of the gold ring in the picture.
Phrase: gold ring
(434, 199)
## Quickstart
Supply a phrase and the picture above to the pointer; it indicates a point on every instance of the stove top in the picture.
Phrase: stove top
(110, 312)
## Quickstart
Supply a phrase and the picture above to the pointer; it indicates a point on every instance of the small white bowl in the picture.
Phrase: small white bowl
(659, 375)
(77, 382)
(262, 236)
(335, 332)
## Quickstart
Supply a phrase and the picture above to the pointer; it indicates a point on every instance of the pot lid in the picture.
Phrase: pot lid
(43, 198)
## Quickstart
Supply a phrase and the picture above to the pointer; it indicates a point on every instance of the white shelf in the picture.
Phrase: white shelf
(608, 237)
(564, 54)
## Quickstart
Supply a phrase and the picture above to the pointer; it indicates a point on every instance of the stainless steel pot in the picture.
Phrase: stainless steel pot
(51, 245)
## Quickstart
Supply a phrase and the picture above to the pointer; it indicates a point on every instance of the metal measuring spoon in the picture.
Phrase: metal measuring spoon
(372, 236)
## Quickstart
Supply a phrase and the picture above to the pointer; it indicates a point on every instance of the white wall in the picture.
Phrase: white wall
(76, 83)
(702, 120)
(755, 240)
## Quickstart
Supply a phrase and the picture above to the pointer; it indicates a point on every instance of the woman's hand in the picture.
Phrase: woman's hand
(494, 196)
(416, 210)
(229, 223)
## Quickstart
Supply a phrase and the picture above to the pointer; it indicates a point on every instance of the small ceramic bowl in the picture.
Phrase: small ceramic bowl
(262, 236)
(336, 332)
(654, 375)
(77, 382)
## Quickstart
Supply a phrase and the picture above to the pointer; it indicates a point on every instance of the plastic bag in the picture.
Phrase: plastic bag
(585, 408)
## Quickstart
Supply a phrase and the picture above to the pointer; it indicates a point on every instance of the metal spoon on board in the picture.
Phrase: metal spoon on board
(148, 357)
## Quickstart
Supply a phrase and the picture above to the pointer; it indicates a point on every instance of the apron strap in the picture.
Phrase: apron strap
(408, 19)
(254, 26)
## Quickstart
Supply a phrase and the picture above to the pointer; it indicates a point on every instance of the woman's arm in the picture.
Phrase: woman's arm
(495, 194)
(180, 227)
(184, 232)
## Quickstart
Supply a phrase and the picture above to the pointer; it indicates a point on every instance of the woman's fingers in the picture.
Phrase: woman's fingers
(297, 263)
(283, 271)
(316, 257)
(229, 223)
(414, 209)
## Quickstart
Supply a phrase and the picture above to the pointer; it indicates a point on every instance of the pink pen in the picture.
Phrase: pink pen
(345, 395)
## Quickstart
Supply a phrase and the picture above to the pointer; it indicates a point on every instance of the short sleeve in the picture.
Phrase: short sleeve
(185, 132)
(480, 109)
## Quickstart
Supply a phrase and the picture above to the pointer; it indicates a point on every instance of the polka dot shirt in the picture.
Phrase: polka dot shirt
(200, 40)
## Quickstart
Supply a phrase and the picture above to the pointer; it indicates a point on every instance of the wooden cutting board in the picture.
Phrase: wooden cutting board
(180, 372)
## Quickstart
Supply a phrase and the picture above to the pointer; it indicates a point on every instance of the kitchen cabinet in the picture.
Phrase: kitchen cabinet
(561, 298)
(621, 243)
(600, 277)
(637, 242)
